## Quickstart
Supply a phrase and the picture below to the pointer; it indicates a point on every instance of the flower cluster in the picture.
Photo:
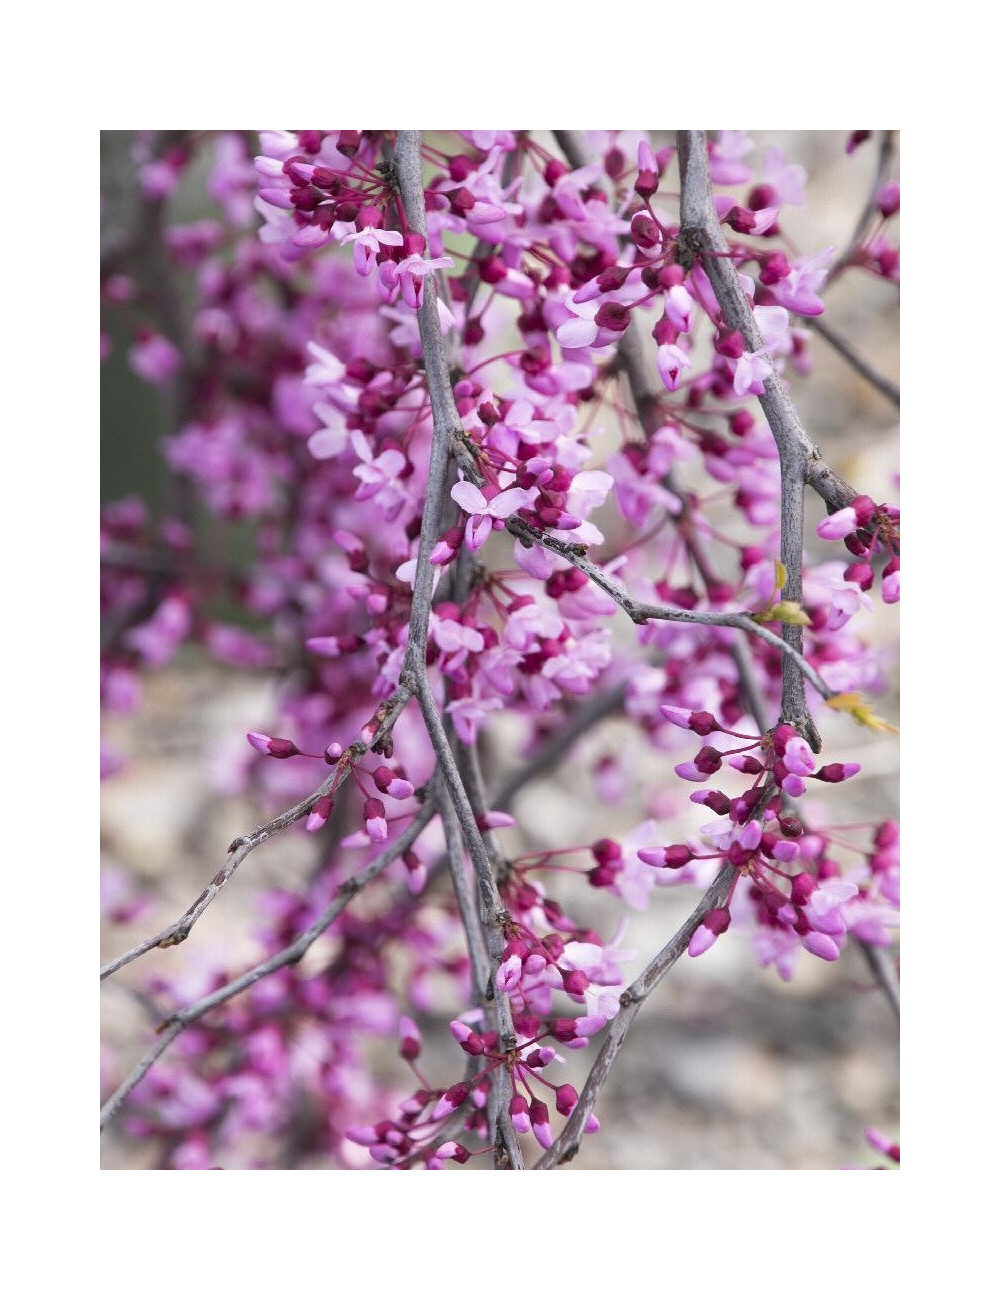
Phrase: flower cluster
(303, 409)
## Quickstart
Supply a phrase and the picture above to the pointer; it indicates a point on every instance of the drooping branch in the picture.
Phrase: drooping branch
(176, 1023)
(386, 714)
(448, 431)
(701, 239)
(641, 612)
(841, 346)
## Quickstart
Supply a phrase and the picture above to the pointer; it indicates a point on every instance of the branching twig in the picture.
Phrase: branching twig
(387, 713)
(641, 612)
(179, 1021)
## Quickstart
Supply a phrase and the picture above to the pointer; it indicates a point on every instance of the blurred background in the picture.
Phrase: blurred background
(727, 1067)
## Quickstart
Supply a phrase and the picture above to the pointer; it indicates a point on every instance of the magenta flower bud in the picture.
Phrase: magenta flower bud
(494, 820)
(698, 721)
(834, 772)
(803, 887)
(566, 1099)
(375, 823)
(614, 316)
(319, 813)
(409, 1039)
(882, 1143)
(793, 785)
(838, 525)
(714, 799)
(326, 646)
(707, 761)
(863, 574)
(701, 941)
(416, 872)
(452, 1099)
(587, 1025)
(348, 142)
(467, 1038)
(646, 183)
(332, 753)
(604, 876)
(888, 199)
(610, 279)
(864, 507)
(509, 974)
(645, 232)
(575, 982)
(665, 332)
(746, 764)
(518, 1111)
(538, 1113)
(798, 757)
(821, 945)
(273, 746)
(452, 1151)
(784, 851)
(730, 343)
(389, 783)
(606, 850)
(362, 1135)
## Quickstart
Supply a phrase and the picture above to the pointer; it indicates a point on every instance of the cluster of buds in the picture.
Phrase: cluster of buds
(867, 530)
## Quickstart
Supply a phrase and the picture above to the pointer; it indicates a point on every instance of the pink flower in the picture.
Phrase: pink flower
(670, 361)
(798, 291)
(750, 372)
(379, 476)
(368, 243)
(411, 273)
(486, 515)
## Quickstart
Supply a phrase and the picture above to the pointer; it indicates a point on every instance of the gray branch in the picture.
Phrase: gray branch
(447, 434)
(386, 714)
(701, 239)
(180, 1020)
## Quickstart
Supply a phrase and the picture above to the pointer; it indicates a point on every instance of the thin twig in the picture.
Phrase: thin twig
(579, 722)
(882, 162)
(386, 716)
(641, 612)
(880, 965)
(176, 1023)
(467, 911)
(841, 345)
